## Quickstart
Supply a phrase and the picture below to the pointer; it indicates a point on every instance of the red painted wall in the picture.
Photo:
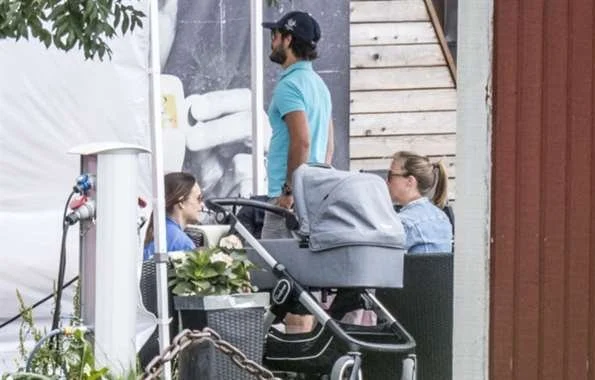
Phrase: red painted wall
(543, 192)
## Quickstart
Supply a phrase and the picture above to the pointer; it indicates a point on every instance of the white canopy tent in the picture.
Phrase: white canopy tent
(52, 101)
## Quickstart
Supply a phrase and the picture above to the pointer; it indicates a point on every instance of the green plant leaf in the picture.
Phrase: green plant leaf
(205, 272)
(97, 374)
(219, 267)
(202, 285)
(125, 23)
(117, 16)
(182, 288)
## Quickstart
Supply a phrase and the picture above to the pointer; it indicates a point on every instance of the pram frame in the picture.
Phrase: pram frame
(302, 294)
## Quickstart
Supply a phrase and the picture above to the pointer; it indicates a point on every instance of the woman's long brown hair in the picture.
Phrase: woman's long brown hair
(178, 186)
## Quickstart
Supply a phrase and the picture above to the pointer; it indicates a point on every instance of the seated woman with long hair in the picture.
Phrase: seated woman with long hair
(411, 180)
(183, 203)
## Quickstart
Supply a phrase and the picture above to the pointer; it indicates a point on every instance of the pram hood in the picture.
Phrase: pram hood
(338, 208)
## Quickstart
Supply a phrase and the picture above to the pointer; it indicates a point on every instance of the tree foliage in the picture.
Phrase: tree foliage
(87, 24)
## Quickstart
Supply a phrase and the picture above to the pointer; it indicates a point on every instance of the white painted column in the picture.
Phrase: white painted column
(257, 80)
(472, 245)
(155, 109)
(115, 260)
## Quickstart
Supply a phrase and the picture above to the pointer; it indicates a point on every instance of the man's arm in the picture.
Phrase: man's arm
(299, 148)
(299, 141)
(330, 145)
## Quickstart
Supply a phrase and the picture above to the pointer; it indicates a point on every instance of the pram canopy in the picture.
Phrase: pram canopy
(338, 208)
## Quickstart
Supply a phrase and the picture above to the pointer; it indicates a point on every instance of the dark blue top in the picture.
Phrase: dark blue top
(177, 240)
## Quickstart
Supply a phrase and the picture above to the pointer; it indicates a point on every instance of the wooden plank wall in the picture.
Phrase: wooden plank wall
(402, 92)
(542, 291)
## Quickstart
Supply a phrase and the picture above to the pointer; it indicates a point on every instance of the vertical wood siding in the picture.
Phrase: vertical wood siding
(543, 192)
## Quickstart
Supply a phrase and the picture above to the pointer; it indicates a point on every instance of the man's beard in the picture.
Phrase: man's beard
(278, 55)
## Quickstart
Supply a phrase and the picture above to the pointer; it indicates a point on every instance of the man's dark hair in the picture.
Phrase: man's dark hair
(301, 49)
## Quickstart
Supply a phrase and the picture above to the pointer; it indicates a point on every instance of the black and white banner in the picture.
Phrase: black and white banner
(52, 101)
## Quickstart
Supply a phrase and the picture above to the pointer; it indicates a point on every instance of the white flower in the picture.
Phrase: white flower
(178, 257)
(230, 242)
(223, 257)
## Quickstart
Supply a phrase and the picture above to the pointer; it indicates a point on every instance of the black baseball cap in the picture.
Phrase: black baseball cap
(299, 24)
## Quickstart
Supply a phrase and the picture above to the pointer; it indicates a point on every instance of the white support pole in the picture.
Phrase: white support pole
(110, 255)
(472, 245)
(116, 287)
(257, 77)
(110, 302)
(158, 184)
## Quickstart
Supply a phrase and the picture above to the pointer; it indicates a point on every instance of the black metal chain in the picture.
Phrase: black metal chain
(187, 337)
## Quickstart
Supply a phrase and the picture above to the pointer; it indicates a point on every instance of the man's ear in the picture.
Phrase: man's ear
(287, 40)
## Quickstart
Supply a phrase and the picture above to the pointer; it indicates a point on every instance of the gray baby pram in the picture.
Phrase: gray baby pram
(349, 239)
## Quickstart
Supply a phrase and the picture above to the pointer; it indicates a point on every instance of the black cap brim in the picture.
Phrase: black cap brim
(270, 25)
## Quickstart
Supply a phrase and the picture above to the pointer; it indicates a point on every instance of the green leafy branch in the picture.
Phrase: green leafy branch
(74, 358)
(65, 24)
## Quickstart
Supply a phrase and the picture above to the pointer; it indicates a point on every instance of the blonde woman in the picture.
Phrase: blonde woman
(411, 180)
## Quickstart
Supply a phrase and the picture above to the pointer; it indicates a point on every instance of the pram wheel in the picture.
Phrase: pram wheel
(342, 369)
(409, 368)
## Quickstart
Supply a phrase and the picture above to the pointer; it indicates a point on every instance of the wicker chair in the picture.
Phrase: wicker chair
(148, 287)
(425, 307)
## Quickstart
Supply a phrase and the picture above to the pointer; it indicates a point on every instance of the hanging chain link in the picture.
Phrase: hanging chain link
(187, 337)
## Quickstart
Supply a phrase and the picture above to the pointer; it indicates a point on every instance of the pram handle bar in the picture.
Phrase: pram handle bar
(217, 204)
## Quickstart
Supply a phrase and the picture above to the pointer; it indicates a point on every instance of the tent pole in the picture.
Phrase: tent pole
(158, 184)
(257, 85)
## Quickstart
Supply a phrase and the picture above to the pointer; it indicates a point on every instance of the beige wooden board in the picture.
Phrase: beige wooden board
(403, 100)
(396, 56)
(385, 146)
(402, 123)
(392, 33)
(398, 78)
(452, 189)
(383, 11)
(384, 163)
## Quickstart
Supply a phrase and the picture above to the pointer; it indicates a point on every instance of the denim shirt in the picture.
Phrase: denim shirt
(427, 228)
(177, 240)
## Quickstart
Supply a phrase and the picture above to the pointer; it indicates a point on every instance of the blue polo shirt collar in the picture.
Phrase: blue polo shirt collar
(303, 65)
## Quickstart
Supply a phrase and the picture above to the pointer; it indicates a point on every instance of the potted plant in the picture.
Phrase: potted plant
(212, 288)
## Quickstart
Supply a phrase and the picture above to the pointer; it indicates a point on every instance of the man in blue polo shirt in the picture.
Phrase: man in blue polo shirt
(299, 112)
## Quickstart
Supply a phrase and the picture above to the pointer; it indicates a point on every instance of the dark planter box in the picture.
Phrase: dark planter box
(237, 318)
